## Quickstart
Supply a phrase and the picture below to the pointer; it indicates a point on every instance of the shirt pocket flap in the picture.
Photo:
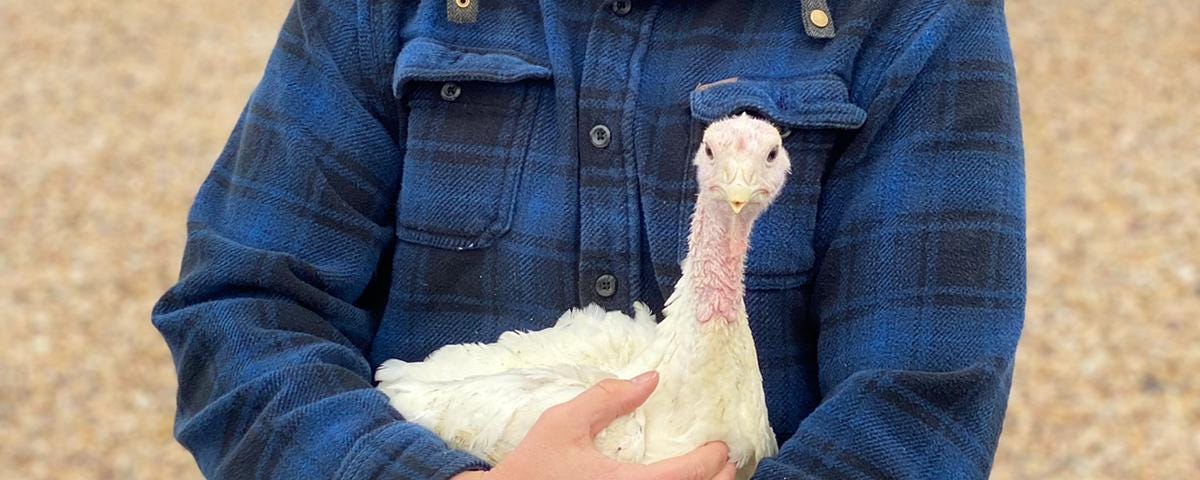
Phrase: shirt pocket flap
(467, 128)
(820, 101)
(431, 61)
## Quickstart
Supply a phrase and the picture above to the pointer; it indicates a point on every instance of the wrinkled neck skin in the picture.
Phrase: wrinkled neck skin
(715, 265)
(704, 321)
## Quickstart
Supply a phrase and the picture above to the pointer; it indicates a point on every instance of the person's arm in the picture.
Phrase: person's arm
(919, 290)
(270, 318)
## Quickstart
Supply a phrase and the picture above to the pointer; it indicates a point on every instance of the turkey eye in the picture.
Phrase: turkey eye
(708, 151)
(771, 156)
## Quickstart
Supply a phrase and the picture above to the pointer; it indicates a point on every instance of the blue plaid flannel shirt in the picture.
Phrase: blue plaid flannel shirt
(398, 182)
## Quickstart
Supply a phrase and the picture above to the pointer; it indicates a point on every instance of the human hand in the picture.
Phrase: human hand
(560, 444)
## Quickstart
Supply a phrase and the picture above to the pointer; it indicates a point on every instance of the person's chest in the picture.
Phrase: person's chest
(547, 165)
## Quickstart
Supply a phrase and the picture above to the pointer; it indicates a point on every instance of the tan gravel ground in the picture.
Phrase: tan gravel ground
(112, 112)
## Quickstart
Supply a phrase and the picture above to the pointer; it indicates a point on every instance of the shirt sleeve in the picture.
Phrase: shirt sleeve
(279, 293)
(920, 283)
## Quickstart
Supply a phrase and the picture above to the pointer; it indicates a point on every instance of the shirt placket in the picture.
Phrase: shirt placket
(608, 207)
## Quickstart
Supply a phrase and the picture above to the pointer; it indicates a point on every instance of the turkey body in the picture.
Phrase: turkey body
(484, 398)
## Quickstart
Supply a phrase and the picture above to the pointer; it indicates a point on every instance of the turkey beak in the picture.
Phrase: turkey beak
(738, 195)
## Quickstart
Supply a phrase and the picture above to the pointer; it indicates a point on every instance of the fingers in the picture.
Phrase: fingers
(703, 463)
(729, 472)
(611, 398)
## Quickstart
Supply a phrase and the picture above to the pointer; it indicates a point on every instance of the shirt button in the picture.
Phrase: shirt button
(451, 91)
(622, 7)
(600, 136)
(606, 285)
(819, 18)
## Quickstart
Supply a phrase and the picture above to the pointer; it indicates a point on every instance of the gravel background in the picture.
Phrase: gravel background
(112, 112)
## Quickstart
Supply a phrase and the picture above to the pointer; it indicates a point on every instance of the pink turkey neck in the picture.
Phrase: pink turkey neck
(716, 259)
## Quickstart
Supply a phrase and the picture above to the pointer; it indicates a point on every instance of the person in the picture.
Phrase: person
(414, 174)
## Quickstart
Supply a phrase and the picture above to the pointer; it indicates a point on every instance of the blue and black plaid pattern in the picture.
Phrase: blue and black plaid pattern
(399, 182)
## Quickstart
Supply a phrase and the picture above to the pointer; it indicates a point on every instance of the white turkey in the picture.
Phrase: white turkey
(483, 398)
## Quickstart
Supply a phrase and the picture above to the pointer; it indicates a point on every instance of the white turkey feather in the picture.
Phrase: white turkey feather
(588, 336)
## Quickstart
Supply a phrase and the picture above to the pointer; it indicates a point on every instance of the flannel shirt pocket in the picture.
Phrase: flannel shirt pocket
(811, 112)
(467, 130)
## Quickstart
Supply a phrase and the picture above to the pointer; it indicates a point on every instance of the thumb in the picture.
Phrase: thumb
(612, 398)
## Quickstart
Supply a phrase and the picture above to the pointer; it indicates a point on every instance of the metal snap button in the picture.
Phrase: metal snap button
(819, 18)
(462, 3)
(600, 136)
(622, 7)
(451, 91)
(606, 285)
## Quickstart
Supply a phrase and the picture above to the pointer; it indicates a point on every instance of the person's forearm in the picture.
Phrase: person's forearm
(919, 280)
(265, 325)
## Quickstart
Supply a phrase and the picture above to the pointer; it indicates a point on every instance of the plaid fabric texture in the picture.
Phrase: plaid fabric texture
(399, 182)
